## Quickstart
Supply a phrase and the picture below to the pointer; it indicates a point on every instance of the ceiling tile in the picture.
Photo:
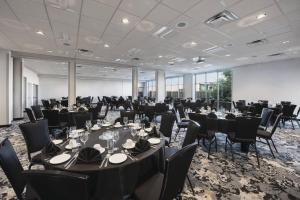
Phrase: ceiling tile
(138, 7)
(180, 5)
(289, 5)
(247, 7)
(97, 10)
(62, 16)
(113, 3)
(162, 15)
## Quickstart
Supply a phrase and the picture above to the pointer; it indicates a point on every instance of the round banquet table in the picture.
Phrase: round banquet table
(115, 181)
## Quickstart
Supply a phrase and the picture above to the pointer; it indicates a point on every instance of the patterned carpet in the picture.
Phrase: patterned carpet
(219, 177)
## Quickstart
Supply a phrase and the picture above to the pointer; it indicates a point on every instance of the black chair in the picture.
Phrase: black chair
(30, 114)
(149, 112)
(287, 113)
(37, 112)
(166, 125)
(12, 167)
(53, 118)
(266, 117)
(264, 134)
(46, 104)
(36, 137)
(180, 124)
(245, 132)
(169, 185)
(81, 118)
(295, 117)
(180, 109)
(129, 114)
(103, 117)
(58, 185)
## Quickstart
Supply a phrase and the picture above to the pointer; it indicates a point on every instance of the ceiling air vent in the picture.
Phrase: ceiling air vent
(221, 18)
(164, 33)
(136, 59)
(84, 51)
(257, 42)
(276, 54)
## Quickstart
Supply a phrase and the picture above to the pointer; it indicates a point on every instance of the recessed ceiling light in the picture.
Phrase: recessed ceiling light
(227, 55)
(118, 60)
(125, 21)
(262, 15)
(189, 44)
(160, 56)
(106, 45)
(285, 42)
(40, 32)
(171, 63)
(193, 43)
(49, 51)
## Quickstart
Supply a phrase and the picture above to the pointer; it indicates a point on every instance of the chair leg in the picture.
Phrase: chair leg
(190, 184)
(257, 157)
(231, 151)
(178, 130)
(216, 144)
(270, 148)
(226, 145)
(30, 165)
(292, 124)
(297, 122)
(209, 148)
(274, 145)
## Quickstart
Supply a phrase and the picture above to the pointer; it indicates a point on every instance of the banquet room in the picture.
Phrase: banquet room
(149, 99)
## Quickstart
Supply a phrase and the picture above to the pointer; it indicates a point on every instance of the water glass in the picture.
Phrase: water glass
(84, 136)
(88, 125)
(125, 121)
(142, 125)
(133, 132)
(110, 146)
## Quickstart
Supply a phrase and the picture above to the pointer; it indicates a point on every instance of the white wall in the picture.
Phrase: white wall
(6, 97)
(273, 81)
(51, 87)
(31, 76)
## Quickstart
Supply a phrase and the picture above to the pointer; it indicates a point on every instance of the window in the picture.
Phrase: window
(174, 87)
(151, 88)
(214, 86)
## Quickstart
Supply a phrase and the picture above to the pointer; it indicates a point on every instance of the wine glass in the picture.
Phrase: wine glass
(84, 137)
(88, 125)
(125, 121)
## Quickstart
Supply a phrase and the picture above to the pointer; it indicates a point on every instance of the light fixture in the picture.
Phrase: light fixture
(227, 55)
(125, 21)
(262, 15)
(106, 45)
(49, 51)
(285, 42)
(193, 43)
(160, 56)
(40, 32)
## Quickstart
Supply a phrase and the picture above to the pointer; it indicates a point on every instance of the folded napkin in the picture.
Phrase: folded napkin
(154, 132)
(89, 155)
(140, 147)
(230, 116)
(51, 149)
(146, 122)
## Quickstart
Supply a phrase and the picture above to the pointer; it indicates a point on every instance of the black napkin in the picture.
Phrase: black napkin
(140, 147)
(51, 149)
(154, 132)
(89, 155)
(146, 122)
(230, 116)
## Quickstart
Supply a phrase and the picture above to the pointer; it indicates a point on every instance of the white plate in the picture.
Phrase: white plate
(128, 145)
(148, 129)
(117, 158)
(60, 159)
(118, 126)
(136, 127)
(142, 134)
(95, 128)
(154, 140)
(69, 147)
(106, 125)
(56, 142)
(131, 124)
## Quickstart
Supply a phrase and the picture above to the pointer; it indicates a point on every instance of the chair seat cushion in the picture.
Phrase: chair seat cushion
(263, 134)
(169, 151)
(183, 124)
(36, 159)
(150, 189)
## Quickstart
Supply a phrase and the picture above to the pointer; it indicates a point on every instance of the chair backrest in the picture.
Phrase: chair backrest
(246, 128)
(180, 109)
(81, 118)
(36, 135)
(37, 111)
(94, 111)
(129, 114)
(191, 133)
(292, 109)
(167, 123)
(52, 116)
(266, 116)
(58, 185)
(30, 114)
(175, 114)
(177, 167)
(106, 110)
(46, 104)
(12, 167)
(275, 125)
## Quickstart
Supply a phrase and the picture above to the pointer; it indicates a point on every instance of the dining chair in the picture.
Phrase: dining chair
(295, 117)
(129, 114)
(180, 124)
(267, 135)
(149, 112)
(30, 114)
(266, 117)
(103, 117)
(166, 125)
(288, 112)
(245, 132)
(46, 104)
(53, 118)
(81, 118)
(37, 112)
(169, 185)
(58, 185)
(36, 135)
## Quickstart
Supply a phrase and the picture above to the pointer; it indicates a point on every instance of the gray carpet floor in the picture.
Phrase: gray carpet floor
(218, 177)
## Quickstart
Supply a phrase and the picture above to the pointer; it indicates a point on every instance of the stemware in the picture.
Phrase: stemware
(125, 121)
(84, 136)
(88, 125)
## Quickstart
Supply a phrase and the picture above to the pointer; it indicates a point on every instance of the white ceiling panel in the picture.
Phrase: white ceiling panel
(97, 10)
(247, 7)
(180, 5)
(162, 15)
(138, 7)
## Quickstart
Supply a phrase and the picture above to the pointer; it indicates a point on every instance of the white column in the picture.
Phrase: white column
(18, 88)
(135, 82)
(6, 88)
(189, 86)
(160, 85)
(71, 83)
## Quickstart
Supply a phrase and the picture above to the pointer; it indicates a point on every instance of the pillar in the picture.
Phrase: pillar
(6, 88)
(189, 86)
(160, 85)
(71, 83)
(18, 88)
(135, 82)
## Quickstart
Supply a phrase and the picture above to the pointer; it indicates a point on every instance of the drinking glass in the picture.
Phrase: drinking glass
(84, 136)
(116, 138)
(110, 146)
(88, 125)
(130, 121)
(133, 131)
(125, 121)
(142, 125)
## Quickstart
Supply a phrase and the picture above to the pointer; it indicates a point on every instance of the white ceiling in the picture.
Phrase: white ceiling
(90, 24)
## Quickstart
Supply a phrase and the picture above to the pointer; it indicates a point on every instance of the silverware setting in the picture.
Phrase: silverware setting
(128, 154)
(104, 161)
(71, 161)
